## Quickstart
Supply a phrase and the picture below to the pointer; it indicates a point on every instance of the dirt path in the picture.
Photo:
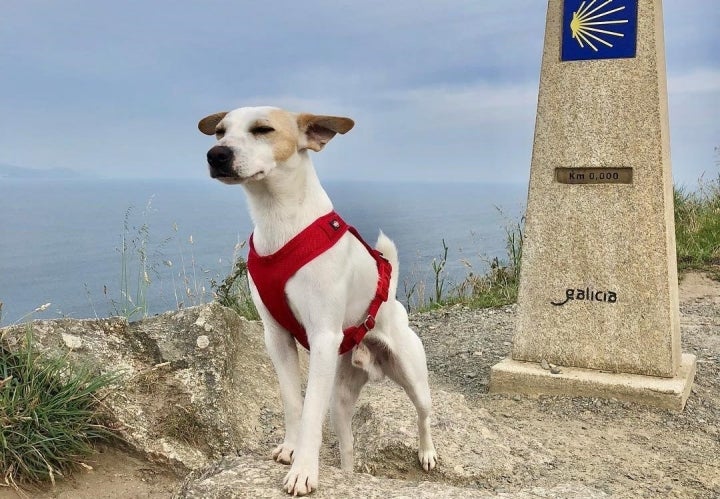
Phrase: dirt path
(115, 475)
(620, 448)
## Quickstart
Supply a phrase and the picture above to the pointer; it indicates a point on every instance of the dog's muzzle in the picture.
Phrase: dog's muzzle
(220, 159)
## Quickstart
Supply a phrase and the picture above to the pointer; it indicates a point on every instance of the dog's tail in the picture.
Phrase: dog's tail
(385, 246)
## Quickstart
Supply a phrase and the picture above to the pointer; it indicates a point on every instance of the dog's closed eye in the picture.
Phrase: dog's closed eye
(219, 133)
(261, 130)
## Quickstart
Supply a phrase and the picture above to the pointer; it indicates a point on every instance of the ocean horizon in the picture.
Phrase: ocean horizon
(61, 240)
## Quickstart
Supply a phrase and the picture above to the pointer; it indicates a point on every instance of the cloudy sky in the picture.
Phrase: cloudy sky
(438, 89)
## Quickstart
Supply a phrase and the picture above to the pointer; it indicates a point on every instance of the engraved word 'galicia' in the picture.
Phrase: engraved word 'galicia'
(587, 294)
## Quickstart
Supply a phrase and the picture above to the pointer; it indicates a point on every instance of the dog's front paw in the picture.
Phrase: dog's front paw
(283, 453)
(301, 479)
(427, 458)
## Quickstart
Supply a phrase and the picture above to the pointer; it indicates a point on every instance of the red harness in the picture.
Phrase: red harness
(270, 274)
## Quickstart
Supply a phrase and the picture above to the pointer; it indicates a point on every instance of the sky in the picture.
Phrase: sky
(440, 90)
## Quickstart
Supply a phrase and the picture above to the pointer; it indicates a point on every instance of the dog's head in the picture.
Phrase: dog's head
(254, 141)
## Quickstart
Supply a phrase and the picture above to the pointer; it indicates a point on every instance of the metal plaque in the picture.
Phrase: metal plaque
(594, 175)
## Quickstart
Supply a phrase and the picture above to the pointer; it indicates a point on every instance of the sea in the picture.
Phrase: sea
(87, 247)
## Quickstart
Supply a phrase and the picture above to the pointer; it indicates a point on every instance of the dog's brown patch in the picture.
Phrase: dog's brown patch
(285, 137)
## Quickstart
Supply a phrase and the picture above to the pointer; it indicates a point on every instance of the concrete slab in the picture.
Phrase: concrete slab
(512, 376)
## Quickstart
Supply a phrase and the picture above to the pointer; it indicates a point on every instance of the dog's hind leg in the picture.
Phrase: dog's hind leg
(407, 367)
(284, 355)
(349, 381)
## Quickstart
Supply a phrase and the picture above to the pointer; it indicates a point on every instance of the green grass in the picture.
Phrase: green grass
(697, 226)
(49, 414)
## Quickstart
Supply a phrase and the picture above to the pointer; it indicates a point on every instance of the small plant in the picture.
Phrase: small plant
(514, 238)
(414, 287)
(132, 304)
(49, 414)
(194, 290)
(234, 290)
(412, 294)
(27, 316)
(438, 267)
(499, 286)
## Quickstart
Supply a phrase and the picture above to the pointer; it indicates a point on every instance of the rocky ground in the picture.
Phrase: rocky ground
(489, 445)
(623, 449)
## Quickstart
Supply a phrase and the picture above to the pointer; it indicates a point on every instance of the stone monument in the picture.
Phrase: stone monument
(598, 302)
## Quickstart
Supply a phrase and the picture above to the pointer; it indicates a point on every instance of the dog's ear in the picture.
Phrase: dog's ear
(208, 123)
(318, 130)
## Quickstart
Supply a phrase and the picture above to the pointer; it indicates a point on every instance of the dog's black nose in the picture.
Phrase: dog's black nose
(220, 159)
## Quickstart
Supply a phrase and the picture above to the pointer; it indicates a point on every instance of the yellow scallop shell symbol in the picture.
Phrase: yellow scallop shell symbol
(585, 22)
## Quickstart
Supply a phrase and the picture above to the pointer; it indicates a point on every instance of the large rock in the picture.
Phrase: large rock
(243, 477)
(479, 455)
(195, 383)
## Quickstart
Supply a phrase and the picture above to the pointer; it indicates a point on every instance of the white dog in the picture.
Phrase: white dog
(335, 291)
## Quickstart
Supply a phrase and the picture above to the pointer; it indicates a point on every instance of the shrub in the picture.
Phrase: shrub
(49, 414)
(697, 224)
(499, 286)
(234, 291)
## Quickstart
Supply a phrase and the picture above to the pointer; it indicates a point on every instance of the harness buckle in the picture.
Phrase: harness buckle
(369, 323)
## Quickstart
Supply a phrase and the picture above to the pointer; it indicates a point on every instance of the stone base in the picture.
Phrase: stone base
(510, 376)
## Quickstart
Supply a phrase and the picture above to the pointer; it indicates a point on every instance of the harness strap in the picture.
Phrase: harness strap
(355, 334)
(270, 274)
